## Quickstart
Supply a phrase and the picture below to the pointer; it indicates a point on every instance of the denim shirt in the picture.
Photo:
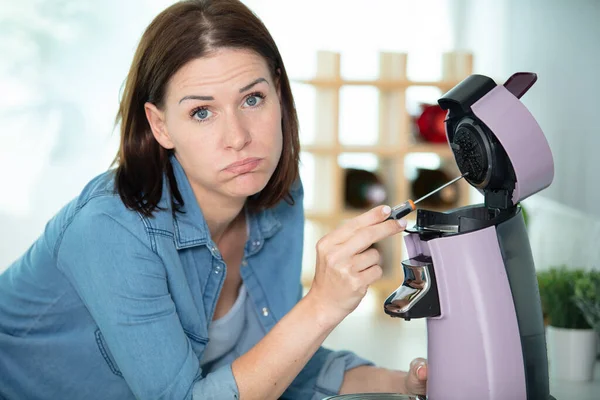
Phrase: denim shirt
(110, 304)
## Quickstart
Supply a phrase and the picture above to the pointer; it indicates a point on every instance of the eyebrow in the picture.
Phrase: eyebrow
(210, 98)
(256, 82)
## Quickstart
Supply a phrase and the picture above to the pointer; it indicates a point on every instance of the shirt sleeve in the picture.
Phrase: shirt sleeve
(331, 375)
(324, 373)
(123, 284)
(218, 385)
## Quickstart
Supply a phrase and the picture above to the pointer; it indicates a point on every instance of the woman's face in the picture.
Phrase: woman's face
(222, 117)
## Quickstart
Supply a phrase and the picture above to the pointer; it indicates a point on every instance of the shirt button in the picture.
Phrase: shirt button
(256, 243)
(218, 269)
(215, 251)
(265, 311)
(244, 263)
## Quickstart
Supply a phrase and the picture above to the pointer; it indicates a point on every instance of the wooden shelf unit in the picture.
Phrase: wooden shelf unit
(395, 142)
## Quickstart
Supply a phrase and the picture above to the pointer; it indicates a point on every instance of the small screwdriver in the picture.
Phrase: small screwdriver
(402, 210)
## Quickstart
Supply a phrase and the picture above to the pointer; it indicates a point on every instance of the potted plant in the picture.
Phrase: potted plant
(587, 298)
(571, 340)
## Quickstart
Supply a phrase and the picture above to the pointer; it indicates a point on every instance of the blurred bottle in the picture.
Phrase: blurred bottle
(431, 123)
(363, 189)
(430, 179)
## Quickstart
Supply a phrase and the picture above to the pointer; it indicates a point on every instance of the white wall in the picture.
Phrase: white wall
(63, 62)
(560, 41)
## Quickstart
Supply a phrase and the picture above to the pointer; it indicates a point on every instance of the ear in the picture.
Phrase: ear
(156, 120)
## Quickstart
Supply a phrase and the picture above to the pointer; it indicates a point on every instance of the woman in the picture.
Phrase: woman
(176, 275)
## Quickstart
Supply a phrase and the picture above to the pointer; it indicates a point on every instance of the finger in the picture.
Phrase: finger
(418, 367)
(365, 237)
(422, 372)
(371, 217)
(371, 274)
(366, 259)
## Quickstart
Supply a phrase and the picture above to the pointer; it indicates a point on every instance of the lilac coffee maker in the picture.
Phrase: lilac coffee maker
(470, 270)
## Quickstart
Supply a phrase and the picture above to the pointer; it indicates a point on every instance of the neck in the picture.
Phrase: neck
(221, 213)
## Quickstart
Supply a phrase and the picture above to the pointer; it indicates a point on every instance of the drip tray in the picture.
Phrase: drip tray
(375, 396)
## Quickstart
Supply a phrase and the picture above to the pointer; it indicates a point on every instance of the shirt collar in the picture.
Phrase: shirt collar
(190, 225)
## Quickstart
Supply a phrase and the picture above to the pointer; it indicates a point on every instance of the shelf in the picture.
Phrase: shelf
(336, 150)
(346, 214)
(332, 217)
(382, 84)
(338, 217)
(321, 216)
(441, 149)
(395, 143)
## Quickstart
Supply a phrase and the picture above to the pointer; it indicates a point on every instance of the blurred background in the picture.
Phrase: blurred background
(63, 63)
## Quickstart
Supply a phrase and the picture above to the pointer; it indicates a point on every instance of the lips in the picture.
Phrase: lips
(244, 166)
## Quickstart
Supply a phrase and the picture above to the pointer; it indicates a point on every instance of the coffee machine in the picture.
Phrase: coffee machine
(470, 270)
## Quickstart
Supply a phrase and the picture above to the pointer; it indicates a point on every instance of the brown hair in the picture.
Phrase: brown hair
(185, 31)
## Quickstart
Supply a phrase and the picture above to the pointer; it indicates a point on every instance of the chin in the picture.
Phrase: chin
(247, 184)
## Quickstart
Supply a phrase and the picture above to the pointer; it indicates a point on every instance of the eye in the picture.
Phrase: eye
(254, 99)
(200, 114)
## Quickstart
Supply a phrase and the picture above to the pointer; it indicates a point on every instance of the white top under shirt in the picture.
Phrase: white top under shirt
(224, 333)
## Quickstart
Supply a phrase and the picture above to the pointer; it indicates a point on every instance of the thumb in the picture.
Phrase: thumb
(416, 379)
(418, 369)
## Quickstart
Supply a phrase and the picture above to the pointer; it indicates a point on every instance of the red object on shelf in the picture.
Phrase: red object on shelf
(431, 123)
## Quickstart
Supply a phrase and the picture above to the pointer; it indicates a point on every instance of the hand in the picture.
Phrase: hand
(346, 265)
(415, 380)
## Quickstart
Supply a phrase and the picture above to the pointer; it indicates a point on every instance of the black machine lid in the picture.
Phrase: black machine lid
(477, 151)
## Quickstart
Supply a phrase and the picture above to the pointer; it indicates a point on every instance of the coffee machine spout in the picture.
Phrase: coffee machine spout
(417, 297)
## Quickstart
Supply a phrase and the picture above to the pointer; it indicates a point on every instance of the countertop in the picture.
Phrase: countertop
(565, 390)
(393, 343)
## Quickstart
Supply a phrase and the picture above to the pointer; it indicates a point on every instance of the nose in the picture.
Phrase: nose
(237, 135)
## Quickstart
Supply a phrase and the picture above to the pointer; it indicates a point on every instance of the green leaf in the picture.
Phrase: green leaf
(587, 297)
(557, 287)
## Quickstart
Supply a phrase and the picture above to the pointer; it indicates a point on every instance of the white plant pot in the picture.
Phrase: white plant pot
(571, 353)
